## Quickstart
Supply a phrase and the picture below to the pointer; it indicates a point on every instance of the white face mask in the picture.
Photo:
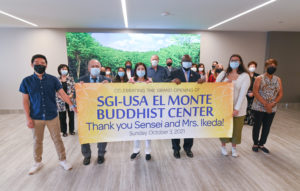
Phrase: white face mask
(154, 62)
(64, 72)
(252, 69)
(95, 71)
(194, 69)
(107, 72)
(201, 69)
(186, 65)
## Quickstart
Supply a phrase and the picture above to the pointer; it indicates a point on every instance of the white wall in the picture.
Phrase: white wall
(221, 45)
(16, 49)
(18, 45)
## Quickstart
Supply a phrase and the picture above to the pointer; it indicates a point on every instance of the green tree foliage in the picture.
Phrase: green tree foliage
(82, 47)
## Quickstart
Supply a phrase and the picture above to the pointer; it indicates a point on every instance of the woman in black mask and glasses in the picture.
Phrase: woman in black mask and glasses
(267, 92)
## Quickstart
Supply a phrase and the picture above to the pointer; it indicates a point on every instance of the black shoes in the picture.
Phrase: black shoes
(65, 134)
(148, 157)
(134, 155)
(264, 149)
(100, 159)
(176, 154)
(72, 133)
(255, 149)
(86, 160)
(189, 153)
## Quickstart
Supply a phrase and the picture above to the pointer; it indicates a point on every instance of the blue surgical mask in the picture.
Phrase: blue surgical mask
(95, 71)
(154, 62)
(64, 72)
(186, 65)
(121, 74)
(141, 73)
(234, 64)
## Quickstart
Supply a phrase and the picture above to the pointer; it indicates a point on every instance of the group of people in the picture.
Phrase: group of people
(255, 96)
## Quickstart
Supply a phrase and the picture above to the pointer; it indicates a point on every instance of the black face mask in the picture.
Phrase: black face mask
(169, 64)
(102, 73)
(213, 67)
(39, 69)
(219, 70)
(271, 70)
(128, 66)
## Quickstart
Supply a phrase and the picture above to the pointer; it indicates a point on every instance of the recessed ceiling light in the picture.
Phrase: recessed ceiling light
(241, 14)
(17, 18)
(124, 12)
(165, 14)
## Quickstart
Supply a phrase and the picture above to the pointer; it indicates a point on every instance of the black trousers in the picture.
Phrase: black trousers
(265, 119)
(63, 120)
(187, 145)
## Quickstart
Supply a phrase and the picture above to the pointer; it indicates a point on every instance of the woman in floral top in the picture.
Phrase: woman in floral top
(267, 92)
(68, 85)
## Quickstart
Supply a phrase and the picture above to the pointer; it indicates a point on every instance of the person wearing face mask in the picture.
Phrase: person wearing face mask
(108, 73)
(194, 67)
(201, 69)
(267, 90)
(184, 74)
(140, 76)
(219, 69)
(103, 71)
(128, 68)
(169, 66)
(68, 85)
(211, 75)
(39, 102)
(249, 117)
(237, 74)
(155, 71)
(121, 76)
(93, 77)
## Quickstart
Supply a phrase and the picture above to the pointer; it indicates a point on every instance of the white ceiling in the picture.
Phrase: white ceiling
(283, 15)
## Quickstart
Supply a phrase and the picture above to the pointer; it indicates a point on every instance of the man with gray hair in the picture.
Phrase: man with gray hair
(155, 71)
(94, 76)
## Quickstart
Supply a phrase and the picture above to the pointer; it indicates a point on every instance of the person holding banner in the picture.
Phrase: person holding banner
(156, 72)
(237, 74)
(140, 76)
(93, 77)
(184, 74)
(128, 67)
(39, 102)
(121, 75)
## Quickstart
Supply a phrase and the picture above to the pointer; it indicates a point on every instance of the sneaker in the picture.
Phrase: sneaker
(189, 153)
(86, 160)
(255, 149)
(148, 157)
(65, 165)
(134, 155)
(234, 152)
(72, 133)
(36, 167)
(224, 151)
(176, 154)
(264, 149)
(65, 134)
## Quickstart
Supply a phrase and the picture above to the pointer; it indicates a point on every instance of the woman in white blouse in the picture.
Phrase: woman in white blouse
(238, 75)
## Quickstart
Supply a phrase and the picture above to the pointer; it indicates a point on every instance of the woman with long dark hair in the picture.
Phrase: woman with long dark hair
(237, 74)
(140, 76)
(121, 75)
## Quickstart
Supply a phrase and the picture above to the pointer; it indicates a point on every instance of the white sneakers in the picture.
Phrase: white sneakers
(65, 165)
(224, 151)
(36, 167)
(233, 151)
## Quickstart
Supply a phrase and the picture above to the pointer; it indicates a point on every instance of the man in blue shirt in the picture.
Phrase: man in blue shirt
(39, 102)
(156, 72)
(93, 77)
